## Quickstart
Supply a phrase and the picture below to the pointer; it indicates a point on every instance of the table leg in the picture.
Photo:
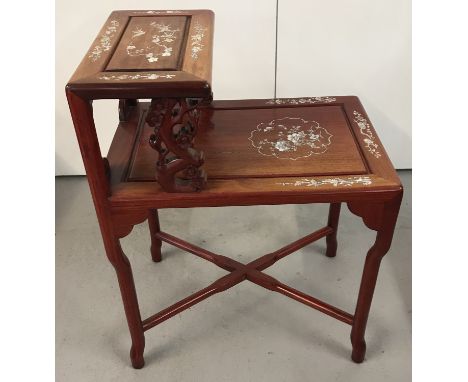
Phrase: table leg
(333, 218)
(153, 222)
(82, 115)
(385, 226)
(130, 301)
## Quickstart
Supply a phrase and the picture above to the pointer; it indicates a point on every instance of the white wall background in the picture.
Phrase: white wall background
(334, 47)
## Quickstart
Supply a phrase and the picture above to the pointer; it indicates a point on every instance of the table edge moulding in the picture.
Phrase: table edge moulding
(259, 151)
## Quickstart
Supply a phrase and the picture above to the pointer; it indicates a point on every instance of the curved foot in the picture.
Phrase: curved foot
(359, 352)
(137, 358)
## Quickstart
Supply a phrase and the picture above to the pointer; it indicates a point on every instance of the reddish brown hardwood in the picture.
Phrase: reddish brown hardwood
(283, 151)
(230, 153)
(138, 54)
(175, 124)
(333, 219)
(251, 272)
(156, 243)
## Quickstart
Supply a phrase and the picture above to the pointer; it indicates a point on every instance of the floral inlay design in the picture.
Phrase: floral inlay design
(104, 41)
(290, 138)
(365, 129)
(349, 181)
(144, 76)
(161, 40)
(197, 37)
(299, 101)
(157, 12)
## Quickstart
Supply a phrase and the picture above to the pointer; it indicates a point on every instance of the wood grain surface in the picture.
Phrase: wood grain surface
(281, 151)
(148, 54)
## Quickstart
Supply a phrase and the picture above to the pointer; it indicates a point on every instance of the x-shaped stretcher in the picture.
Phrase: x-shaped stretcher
(240, 272)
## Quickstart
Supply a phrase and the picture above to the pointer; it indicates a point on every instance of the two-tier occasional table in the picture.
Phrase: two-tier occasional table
(182, 149)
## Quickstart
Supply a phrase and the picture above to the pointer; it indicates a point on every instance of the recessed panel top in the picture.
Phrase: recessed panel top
(151, 43)
(312, 140)
(148, 54)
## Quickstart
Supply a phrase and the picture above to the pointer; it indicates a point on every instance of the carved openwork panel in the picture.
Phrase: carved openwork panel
(175, 122)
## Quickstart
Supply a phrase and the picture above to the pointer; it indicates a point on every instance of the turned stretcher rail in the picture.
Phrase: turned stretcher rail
(269, 259)
(315, 303)
(219, 285)
(241, 272)
(221, 261)
(259, 264)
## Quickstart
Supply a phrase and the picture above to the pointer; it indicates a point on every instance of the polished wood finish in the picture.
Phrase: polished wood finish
(174, 124)
(333, 219)
(156, 243)
(284, 151)
(139, 54)
(151, 43)
(230, 154)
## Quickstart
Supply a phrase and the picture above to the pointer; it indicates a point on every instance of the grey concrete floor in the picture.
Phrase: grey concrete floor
(246, 333)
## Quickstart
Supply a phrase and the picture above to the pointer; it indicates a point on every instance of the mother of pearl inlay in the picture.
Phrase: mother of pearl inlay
(349, 181)
(366, 131)
(290, 138)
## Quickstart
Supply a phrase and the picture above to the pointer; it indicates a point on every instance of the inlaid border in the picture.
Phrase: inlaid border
(169, 12)
(197, 40)
(300, 101)
(348, 182)
(144, 76)
(366, 131)
(105, 41)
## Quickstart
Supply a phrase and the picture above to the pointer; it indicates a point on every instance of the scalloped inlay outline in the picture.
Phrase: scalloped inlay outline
(163, 36)
(197, 38)
(347, 182)
(300, 101)
(290, 138)
(105, 41)
(365, 129)
(145, 76)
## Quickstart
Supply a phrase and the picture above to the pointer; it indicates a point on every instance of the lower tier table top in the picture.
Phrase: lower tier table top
(281, 151)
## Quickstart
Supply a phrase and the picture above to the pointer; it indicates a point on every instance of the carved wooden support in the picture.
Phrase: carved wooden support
(175, 122)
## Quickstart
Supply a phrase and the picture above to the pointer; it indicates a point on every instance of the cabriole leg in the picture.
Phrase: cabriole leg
(153, 222)
(333, 218)
(132, 311)
(383, 219)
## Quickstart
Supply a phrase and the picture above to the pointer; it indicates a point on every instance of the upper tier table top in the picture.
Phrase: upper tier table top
(148, 54)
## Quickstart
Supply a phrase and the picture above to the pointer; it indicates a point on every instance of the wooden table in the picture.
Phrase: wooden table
(184, 150)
